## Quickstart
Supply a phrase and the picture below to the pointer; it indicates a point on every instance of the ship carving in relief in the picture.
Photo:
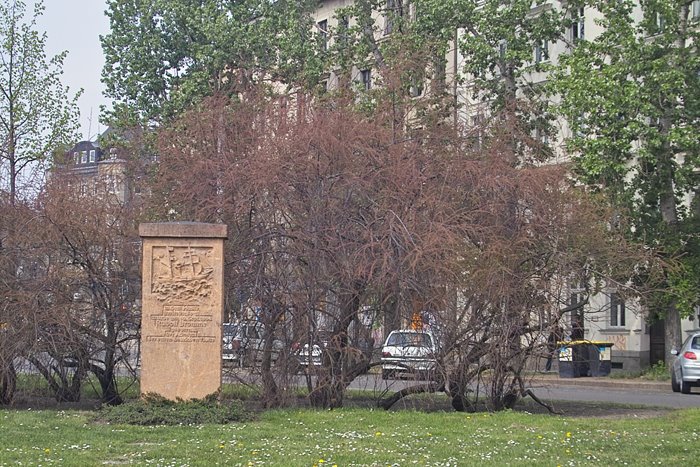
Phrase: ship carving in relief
(182, 273)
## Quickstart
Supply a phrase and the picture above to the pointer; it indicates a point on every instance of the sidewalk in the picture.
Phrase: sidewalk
(632, 384)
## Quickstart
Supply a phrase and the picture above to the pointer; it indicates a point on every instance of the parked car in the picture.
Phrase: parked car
(308, 358)
(685, 370)
(243, 343)
(408, 351)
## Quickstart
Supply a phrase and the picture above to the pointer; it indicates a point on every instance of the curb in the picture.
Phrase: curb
(592, 382)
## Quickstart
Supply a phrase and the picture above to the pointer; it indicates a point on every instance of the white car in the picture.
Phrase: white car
(310, 359)
(411, 352)
(243, 343)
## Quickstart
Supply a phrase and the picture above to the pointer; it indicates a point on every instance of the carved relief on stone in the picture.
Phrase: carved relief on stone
(182, 273)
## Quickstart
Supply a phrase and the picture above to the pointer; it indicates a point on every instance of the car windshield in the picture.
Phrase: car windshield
(409, 339)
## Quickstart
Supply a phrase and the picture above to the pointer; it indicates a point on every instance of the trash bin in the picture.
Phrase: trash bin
(572, 364)
(584, 358)
(600, 358)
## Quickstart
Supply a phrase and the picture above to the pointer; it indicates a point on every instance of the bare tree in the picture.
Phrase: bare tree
(81, 294)
(16, 334)
(333, 211)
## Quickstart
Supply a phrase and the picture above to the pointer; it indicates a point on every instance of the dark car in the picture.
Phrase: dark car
(685, 370)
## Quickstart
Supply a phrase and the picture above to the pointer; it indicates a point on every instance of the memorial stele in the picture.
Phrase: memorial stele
(182, 309)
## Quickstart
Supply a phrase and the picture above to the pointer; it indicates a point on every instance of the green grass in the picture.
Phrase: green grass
(354, 437)
(656, 372)
(34, 385)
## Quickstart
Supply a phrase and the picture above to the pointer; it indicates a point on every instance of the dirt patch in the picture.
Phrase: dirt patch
(422, 403)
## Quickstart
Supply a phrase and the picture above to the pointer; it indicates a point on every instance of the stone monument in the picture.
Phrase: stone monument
(182, 309)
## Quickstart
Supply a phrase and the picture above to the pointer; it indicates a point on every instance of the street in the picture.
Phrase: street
(620, 392)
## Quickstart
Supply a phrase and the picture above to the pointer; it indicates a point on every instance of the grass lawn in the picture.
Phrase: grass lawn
(354, 437)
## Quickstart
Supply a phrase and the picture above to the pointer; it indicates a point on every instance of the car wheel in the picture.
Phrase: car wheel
(685, 386)
(386, 374)
(675, 385)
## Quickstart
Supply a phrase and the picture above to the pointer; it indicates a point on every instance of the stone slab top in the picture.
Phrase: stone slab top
(183, 230)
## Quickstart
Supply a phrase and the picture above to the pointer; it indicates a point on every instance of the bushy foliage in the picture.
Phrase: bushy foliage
(154, 410)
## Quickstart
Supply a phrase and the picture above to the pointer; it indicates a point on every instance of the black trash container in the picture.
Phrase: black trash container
(584, 358)
(600, 358)
(572, 363)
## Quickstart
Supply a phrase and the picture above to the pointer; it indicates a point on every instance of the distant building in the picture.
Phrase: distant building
(97, 172)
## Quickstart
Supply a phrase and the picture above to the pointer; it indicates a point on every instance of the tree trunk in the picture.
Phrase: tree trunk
(669, 214)
(271, 396)
(392, 317)
(64, 388)
(332, 381)
(8, 383)
(108, 384)
(672, 333)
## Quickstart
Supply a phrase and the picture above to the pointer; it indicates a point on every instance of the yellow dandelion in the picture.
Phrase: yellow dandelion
(568, 434)
(222, 445)
(540, 436)
(321, 461)
(47, 451)
(379, 433)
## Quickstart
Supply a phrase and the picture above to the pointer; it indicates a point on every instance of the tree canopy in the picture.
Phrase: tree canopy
(161, 56)
(632, 99)
(37, 114)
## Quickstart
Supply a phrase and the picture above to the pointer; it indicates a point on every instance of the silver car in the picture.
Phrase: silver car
(685, 371)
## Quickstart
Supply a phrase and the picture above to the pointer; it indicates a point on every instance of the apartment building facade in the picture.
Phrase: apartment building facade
(606, 316)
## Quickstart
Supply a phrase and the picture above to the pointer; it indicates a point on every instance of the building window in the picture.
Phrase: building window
(578, 327)
(502, 49)
(83, 157)
(391, 11)
(322, 27)
(578, 31)
(343, 29)
(92, 155)
(76, 157)
(542, 52)
(416, 88)
(477, 130)
(577, 302)
(366, 79)
(695, 10)
(617, 310)
(414, 83)
(660, 23)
